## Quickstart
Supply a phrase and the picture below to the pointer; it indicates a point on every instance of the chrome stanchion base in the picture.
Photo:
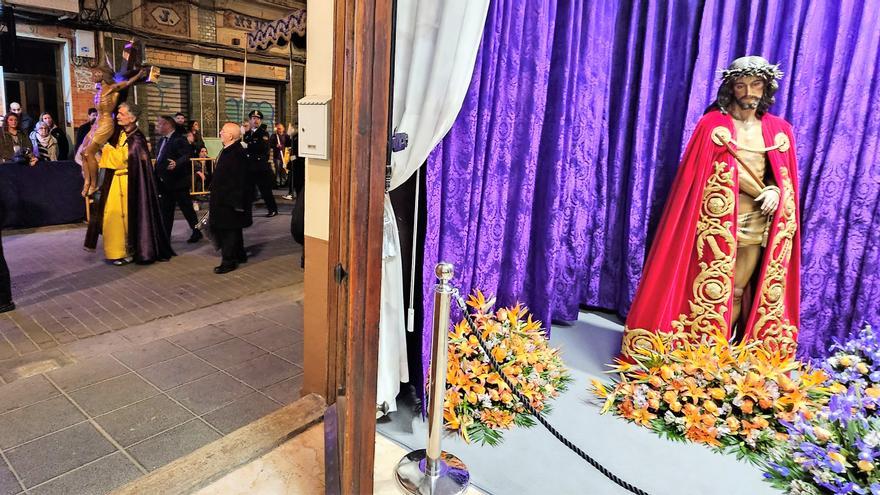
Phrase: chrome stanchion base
(453, 478)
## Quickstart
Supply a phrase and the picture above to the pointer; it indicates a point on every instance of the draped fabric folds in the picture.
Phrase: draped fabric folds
(435, 47)
(289, 29)
(548, 186)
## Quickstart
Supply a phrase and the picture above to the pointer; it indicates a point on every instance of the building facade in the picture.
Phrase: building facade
(199, 45)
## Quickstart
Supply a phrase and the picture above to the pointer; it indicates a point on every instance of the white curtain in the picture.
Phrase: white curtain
(436, 46)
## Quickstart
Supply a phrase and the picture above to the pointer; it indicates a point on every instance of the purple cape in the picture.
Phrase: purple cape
(147, 236)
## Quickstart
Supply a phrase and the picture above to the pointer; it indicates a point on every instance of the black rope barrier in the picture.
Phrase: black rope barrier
(574, 448)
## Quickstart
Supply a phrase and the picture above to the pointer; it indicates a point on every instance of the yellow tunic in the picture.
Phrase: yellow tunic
(115, 228)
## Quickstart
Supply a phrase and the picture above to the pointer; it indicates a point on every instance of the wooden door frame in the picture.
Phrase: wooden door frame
(359, 152)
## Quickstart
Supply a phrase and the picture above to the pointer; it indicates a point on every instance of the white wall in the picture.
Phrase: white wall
(319, 81)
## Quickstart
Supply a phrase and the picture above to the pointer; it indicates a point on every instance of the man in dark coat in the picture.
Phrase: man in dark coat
(174, 168)
(83, 130)
(230, 207)
(257, 143)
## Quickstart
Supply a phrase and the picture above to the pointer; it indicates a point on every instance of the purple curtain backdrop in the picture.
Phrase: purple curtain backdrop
(547, 187)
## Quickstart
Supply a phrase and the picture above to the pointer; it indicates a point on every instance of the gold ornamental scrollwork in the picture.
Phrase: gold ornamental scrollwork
(714, 283)
(772, 327)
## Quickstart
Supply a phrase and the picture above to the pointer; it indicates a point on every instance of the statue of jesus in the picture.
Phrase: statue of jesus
(110, 91)
(726, 255)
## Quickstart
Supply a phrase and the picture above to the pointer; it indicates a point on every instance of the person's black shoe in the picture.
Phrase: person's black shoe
(7, 307)
(271, 214)
(195, 237)
(220, 270)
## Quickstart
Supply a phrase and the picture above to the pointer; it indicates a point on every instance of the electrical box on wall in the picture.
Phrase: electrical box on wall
(314, 127)
(85, 43)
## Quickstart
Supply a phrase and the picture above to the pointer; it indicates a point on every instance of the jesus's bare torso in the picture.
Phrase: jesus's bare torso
(749, 135)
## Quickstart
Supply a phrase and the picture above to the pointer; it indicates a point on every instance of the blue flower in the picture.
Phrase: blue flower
(782, 470)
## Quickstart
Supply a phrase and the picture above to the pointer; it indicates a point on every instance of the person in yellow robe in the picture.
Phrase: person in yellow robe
(115, 225)
(128, 213)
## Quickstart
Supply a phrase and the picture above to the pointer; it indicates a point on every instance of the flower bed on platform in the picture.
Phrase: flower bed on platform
(837, 450)
(834, 452)
(733, 398)
(478, 404)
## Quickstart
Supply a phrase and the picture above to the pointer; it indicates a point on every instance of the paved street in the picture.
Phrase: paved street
(107, 373)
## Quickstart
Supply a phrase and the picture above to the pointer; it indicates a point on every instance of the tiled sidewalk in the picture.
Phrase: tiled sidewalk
(64, 294)
(93, 426)
(107, 373)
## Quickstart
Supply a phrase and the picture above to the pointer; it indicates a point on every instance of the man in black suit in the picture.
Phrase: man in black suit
(83, 130)
(174, 169)
(257, 142)
(230, 207)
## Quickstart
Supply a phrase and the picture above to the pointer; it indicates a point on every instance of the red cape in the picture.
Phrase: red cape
(687, 282)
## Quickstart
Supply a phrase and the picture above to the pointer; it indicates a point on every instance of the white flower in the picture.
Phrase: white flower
(750, 441)
(799, 487)
(669, 418)
(872, 439)
(825, 475)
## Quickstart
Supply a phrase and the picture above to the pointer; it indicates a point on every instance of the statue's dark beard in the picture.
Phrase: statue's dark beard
(750, 104)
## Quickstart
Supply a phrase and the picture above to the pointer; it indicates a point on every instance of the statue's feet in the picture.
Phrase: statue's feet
(89, 188)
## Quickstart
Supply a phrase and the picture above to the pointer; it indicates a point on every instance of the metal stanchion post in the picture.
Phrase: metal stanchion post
(431, 471)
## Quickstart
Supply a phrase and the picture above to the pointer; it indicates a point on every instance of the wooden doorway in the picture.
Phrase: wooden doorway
(360, 114)
(33, 79)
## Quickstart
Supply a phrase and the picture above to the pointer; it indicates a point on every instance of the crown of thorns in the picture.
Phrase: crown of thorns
(768, 72)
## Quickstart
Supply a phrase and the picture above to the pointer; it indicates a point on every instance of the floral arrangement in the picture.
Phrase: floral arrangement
(837, 451)
(730, 397)
(856, 362)
(478, 404)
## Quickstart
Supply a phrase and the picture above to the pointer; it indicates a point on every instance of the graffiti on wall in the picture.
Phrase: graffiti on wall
(234, 113)
(83, 79)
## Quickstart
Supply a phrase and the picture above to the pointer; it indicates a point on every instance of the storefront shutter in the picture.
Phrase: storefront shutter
(259, 97)
(169, 96)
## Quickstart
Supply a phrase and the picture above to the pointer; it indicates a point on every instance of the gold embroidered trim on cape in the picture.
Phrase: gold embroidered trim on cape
(714, 284)
(772, 327)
